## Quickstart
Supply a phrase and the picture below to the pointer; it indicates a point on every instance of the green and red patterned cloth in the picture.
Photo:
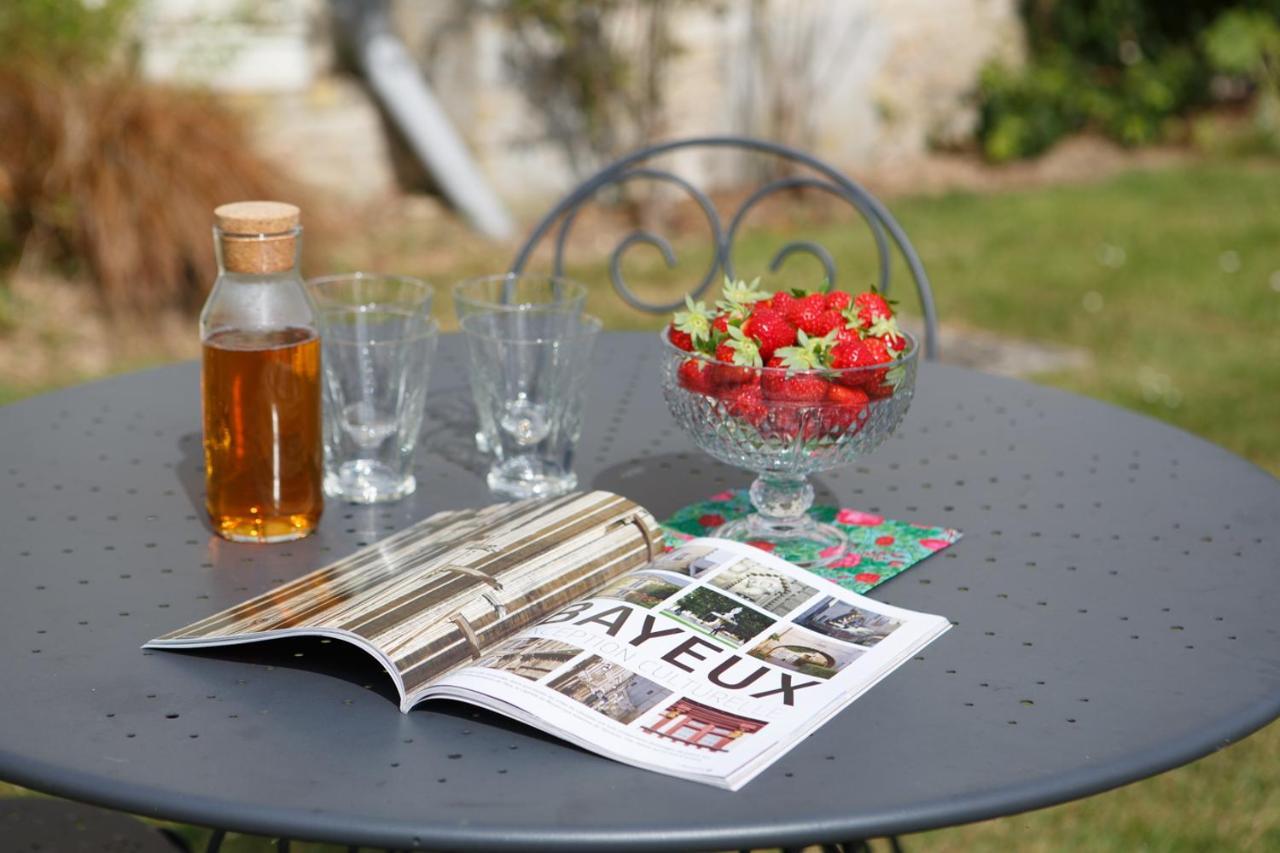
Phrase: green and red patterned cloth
(879, 548)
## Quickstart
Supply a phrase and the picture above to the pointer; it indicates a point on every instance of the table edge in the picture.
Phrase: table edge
(318, 827)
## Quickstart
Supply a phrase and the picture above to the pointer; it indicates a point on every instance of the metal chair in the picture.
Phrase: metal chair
(817, 176)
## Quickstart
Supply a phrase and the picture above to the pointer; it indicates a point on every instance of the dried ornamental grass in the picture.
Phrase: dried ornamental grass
(122, 176)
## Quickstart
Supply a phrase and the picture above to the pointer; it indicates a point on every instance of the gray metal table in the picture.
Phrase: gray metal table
(1113, 593)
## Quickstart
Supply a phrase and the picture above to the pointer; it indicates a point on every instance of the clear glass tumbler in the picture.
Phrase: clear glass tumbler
(528, 372)
(530, 293)
(377, 339)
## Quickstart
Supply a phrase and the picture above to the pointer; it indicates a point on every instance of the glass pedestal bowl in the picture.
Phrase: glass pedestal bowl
(784, 425)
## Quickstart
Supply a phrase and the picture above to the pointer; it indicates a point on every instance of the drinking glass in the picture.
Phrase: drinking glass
(519, 291)
(528, 372)
(377, 338)
(530, 293)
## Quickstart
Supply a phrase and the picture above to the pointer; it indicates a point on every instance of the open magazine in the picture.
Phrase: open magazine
(708, 662)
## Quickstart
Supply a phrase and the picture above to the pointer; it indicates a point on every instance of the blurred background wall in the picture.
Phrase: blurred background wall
(544, 92)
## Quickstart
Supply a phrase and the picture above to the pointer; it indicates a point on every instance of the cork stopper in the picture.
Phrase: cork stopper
(258, 236)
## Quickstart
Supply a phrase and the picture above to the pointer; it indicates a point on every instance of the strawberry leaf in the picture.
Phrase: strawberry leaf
(696, 322)
(739, 296)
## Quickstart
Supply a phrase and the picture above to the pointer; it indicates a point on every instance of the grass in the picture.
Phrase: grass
(1171, 280)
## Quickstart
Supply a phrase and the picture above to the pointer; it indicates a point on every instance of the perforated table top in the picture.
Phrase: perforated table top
(1113, 598)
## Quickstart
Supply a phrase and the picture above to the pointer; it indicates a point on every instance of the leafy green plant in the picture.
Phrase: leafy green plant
(1247, 44)
(1129, 69)
(67, 34)
(1024, 113)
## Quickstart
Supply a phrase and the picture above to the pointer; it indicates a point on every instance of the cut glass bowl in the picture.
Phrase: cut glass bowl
(784, 440)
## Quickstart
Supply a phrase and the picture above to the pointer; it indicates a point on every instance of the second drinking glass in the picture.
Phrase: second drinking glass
(528, 373)
(531, 293)
(377, 338)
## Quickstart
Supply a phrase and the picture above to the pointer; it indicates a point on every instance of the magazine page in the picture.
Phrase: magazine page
(708, 663)
(440, 592)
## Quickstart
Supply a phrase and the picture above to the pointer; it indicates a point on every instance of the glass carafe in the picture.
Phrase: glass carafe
(260, 380)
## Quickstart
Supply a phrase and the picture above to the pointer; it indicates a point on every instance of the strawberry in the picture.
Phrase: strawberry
(886, 329)
(872, 304)
(782, 302)
(846, 335)
(746, 402)
(852, 398)
(770, 330)
(895, 343)
(693, 376)
(828, 321)
(805, 312)
(740, 356)
(801, 383)
(846, 357)
(877, 353)
(797, 388)
(680, 339)
(838, 300)
(847, 408)
(788, 385)
(866, 308)
(721, 324)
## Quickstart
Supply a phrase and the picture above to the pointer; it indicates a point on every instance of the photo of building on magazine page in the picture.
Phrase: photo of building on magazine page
(708, 663)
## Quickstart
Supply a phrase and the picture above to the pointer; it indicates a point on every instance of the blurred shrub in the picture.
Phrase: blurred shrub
(118, 178)
(68, 34)
(1247, 44)
(106, 175)
(1126, 68)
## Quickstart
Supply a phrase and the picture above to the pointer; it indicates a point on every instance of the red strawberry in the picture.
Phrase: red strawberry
(769, 329)
(721, 324)
(800, 386)
(838, 300)
(846, 336)
(886, 329)
(731, 372)
(877, 353)
(828, 321)
(805, 313)
(680, 339)
(782, 302)
(693, 376)
(846, 409)
(894, 342)
(847, 354)
(854, 398)
(870, 305)
(746, 402)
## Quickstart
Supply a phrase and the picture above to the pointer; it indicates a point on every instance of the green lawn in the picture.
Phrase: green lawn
(1172, 281)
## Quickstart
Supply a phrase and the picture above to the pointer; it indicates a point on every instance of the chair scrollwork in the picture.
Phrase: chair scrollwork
(885, 230)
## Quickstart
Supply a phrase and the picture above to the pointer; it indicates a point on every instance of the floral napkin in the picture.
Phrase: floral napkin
(880, 548)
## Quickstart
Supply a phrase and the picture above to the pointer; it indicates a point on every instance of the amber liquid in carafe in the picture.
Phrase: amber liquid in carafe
(262, 442)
